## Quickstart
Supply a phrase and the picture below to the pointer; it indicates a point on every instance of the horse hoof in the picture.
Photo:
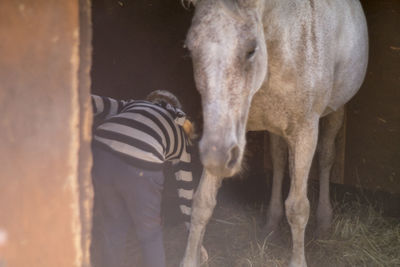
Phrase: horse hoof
(203, 255)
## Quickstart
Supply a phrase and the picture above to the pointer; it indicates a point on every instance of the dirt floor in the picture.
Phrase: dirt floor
(363, 233)
(360, 236)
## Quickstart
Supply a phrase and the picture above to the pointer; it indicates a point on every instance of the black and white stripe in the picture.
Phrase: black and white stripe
(145, 135)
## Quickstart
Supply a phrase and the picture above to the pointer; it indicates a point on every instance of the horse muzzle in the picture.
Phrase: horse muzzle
(220, 160)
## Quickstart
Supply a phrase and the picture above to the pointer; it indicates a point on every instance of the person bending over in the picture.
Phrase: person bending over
(131, 142)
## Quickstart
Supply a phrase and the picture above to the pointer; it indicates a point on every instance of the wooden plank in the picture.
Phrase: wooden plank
(42, 139)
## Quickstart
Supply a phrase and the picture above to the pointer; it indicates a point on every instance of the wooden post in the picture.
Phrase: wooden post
(45, 187)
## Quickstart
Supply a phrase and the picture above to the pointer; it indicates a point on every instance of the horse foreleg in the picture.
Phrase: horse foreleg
(204, 202)
(302, 145)
(275, 207)
(329, 127)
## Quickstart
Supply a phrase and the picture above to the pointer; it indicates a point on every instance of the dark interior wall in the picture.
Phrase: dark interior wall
(373, 117)
(138, 47)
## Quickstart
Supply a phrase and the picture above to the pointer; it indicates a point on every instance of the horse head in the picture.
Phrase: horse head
(227, 45)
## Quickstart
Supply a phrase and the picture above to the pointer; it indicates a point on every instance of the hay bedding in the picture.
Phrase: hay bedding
(360, 236)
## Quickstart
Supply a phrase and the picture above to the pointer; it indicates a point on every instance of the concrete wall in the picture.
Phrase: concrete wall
(45, 189)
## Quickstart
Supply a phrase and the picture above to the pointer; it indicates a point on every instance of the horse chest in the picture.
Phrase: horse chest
(267, 114)
(277, 109)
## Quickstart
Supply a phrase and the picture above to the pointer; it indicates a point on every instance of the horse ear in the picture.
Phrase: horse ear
(186, 3)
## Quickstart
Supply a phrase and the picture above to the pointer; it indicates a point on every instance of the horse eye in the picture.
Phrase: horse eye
(250, 54)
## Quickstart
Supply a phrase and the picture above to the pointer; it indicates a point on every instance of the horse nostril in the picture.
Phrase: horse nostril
(233, 157)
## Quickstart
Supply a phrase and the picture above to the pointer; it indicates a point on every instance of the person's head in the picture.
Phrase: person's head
(159, 96)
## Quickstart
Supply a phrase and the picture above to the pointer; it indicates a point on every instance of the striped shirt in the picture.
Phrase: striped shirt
(145, 135)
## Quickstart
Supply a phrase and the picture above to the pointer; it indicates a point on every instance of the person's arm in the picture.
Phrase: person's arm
(105, 107)
(183, 169)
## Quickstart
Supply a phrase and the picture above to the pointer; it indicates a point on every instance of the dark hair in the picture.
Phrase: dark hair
(162, 95)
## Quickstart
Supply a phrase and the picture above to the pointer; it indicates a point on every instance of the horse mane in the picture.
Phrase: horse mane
(234, 6)
(187, 3)
(229, 5)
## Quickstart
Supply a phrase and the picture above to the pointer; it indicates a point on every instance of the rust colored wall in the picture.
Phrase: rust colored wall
(42, 134)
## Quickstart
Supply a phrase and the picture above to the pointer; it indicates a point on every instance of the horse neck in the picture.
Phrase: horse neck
(279, 15)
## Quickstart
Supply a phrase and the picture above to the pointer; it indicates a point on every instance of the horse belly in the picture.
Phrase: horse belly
(351, 54)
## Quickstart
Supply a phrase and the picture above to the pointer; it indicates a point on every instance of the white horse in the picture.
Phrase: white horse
(281, 66)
